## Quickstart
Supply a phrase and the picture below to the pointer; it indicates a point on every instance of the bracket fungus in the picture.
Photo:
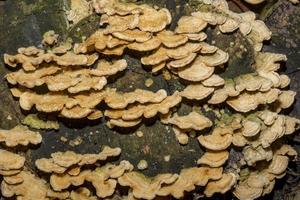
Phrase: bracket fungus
(78, 85)
(220, 186)
(197, 71)
(192, 121)
(31, 187)
(214, 159)
(50, 38)
(261, 181)
(196, 92)
(251, 128)
(187, 181)
(60, 162)
(10, 161)
(79, 9)
(181, 136)
(120, 101)
(102, 178)
(33, 79)
(143, 187)
(216, 141)
(253, 155)
(19, 135)
(190, 24)
(82, 193)
(246, 102)
(148, 111)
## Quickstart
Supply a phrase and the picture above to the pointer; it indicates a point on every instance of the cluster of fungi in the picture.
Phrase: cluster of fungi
(76, 81)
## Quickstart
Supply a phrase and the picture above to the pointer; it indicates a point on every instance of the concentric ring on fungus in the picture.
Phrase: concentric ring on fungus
(75, 89)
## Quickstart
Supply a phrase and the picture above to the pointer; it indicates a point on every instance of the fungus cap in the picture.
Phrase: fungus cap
(221, 186)
(196, 92)
(157, 58)
(218, 58)
(246, 102)
(123, 123)
(171, 40)
(122, 100)
(214, 159)
(180, 135)
(253, 155)
(19, 135)
(213, 80)
(190, 24)
(187, 181)
(216, 141)
(154, 21)
(31, 79)
(193, 120)
(251, 128)
(10, 161)
(149, 45)
(25, 189)
(179, 63)
(143, 187)
(134, 35)
(196, 71)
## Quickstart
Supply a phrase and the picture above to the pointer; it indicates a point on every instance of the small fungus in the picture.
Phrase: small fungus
(142, 165)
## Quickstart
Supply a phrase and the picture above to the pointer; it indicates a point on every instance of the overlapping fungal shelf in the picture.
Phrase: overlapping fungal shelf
(76, 76)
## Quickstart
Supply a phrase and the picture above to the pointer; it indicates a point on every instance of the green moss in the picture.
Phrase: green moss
(197, 5)
(33, 121)
(28, 8)
(253, 117)
(84, 28)
(244, 174)
(226, 118)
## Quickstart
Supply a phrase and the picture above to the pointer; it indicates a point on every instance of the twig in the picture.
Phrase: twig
(291, 172)
(294, 71)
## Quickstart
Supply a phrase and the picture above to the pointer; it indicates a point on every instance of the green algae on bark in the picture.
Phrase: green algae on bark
(33, 121)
